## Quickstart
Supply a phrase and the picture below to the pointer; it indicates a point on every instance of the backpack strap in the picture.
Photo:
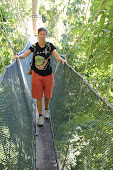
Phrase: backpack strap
(34, 52)
(48, 46)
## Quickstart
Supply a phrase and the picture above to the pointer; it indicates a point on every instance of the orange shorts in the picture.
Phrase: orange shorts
(42, 84)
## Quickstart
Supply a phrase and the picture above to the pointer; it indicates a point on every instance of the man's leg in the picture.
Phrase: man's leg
(39, 106)
(48, 82)
(46, 103)
(47, 112)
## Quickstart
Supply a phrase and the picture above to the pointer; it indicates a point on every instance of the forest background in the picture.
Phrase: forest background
(86, 42)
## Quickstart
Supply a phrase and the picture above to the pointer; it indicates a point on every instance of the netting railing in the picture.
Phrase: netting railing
(82, 123)
(16, 117)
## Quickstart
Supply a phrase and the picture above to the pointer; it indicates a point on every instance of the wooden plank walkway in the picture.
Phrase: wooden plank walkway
(45, 150)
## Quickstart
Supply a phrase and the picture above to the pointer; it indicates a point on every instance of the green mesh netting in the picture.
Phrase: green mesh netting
(16, 117)
(82, 123)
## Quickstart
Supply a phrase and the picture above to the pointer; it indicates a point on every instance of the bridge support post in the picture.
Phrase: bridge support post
(36, 18)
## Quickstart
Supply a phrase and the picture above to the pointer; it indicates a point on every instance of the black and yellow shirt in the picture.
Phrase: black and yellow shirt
(41, 59)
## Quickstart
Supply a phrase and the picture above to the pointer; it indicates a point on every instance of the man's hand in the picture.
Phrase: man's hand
(23, 55)
(16, 57)
(63, 61)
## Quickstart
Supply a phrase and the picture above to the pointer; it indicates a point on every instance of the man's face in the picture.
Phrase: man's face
(42, 36)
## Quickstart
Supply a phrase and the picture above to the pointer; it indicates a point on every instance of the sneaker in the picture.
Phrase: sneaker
(41, 121)
(47, 114)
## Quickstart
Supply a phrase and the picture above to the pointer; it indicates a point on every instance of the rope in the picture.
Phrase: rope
(88, 26)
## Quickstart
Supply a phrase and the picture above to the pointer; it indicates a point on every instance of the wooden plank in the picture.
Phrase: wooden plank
(45, 151)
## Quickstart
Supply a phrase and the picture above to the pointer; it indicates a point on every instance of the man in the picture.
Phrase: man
(42, 75)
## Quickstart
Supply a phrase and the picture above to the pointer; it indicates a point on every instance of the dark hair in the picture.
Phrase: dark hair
(42, 29)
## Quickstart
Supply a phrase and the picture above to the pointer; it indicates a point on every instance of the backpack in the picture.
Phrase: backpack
(45, 62)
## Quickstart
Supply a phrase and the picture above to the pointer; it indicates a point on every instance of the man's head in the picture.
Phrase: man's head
(42, 29)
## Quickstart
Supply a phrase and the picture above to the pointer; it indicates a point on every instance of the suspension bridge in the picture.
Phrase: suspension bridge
(78, 134)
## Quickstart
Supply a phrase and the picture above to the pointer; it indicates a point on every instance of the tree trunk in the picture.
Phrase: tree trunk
(35, 15)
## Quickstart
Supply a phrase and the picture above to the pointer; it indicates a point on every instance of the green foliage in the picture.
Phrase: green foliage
(101, 52)
(13, 34)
